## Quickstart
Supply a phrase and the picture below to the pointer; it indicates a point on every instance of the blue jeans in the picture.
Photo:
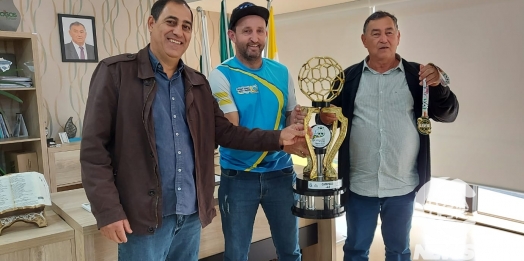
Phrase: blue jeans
(239, 195)
(361, 217)
(178, 239)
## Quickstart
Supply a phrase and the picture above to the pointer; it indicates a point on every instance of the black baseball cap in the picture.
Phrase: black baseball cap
(246, 9)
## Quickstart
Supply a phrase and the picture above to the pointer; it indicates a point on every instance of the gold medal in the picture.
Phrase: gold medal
(424, 125)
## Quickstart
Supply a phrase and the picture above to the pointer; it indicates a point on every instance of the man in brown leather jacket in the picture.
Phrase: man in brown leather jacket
(150, 129)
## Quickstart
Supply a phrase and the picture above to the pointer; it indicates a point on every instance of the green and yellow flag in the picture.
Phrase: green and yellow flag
(224, 40)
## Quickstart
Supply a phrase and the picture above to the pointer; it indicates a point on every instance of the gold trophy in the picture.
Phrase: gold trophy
(319, 188)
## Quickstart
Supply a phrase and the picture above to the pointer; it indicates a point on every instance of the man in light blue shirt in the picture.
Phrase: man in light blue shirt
(255, 92)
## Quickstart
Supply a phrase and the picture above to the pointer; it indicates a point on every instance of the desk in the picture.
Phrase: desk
(89, 243)
(24, 241)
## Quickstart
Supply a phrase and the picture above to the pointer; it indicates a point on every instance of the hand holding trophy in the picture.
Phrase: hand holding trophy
(319, 188)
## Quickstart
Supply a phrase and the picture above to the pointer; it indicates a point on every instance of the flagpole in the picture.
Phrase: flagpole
(226, 24)
(269, 4)
(371, 9)
(265, 48)
(205, 44)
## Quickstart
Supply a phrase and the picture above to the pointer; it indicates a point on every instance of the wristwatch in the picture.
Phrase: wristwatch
(444, 78)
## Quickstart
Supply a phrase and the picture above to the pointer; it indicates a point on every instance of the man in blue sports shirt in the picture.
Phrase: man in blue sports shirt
(255, 92)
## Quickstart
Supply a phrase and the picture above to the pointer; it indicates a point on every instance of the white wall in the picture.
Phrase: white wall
(479, 43)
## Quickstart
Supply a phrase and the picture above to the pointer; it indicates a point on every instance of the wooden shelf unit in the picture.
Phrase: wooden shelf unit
(24, 46)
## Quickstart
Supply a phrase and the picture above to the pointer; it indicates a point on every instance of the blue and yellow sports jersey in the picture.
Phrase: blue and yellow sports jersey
(261, 97)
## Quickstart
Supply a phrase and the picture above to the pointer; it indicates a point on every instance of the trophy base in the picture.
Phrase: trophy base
(318, 199)
(317, 214)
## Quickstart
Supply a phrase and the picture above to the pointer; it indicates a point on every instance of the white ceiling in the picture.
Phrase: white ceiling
(279, 6)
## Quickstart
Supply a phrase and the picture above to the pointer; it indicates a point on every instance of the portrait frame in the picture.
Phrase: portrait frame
(72, 24)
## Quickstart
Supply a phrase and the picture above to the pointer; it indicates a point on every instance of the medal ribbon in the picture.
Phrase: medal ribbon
(425, 99)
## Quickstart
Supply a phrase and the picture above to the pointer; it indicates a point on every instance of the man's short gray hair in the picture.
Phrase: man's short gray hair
(379, 15)
(76, 23)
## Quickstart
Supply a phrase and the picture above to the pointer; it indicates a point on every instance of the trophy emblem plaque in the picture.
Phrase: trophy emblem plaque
(319, 189)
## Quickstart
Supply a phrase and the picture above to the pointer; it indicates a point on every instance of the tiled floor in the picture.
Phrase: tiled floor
(439, 238)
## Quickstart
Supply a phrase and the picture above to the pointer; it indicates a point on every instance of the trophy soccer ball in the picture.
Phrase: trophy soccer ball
(321, 79)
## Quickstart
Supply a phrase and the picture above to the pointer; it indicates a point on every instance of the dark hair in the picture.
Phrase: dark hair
(159, 5)
(76, 23)
(379, 15)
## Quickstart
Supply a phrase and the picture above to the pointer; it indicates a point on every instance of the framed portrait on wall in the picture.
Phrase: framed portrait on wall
(77, 38)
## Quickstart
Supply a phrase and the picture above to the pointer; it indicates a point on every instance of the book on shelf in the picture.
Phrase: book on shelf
(15, 82)
(15, 78)
(21, 191)
(5, 130)
(19, 129)
(12, 85)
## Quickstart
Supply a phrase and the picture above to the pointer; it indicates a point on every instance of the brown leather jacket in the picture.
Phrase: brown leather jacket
(118, 153)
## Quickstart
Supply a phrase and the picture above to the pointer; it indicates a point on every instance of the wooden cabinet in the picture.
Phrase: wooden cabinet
(64, 166)
(23, 241)
(89, 242)
(23, 48)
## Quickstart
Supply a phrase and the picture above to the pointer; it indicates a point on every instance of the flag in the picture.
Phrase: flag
(224, 40)
(205, 58)
(272, 52)
(204, 66)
